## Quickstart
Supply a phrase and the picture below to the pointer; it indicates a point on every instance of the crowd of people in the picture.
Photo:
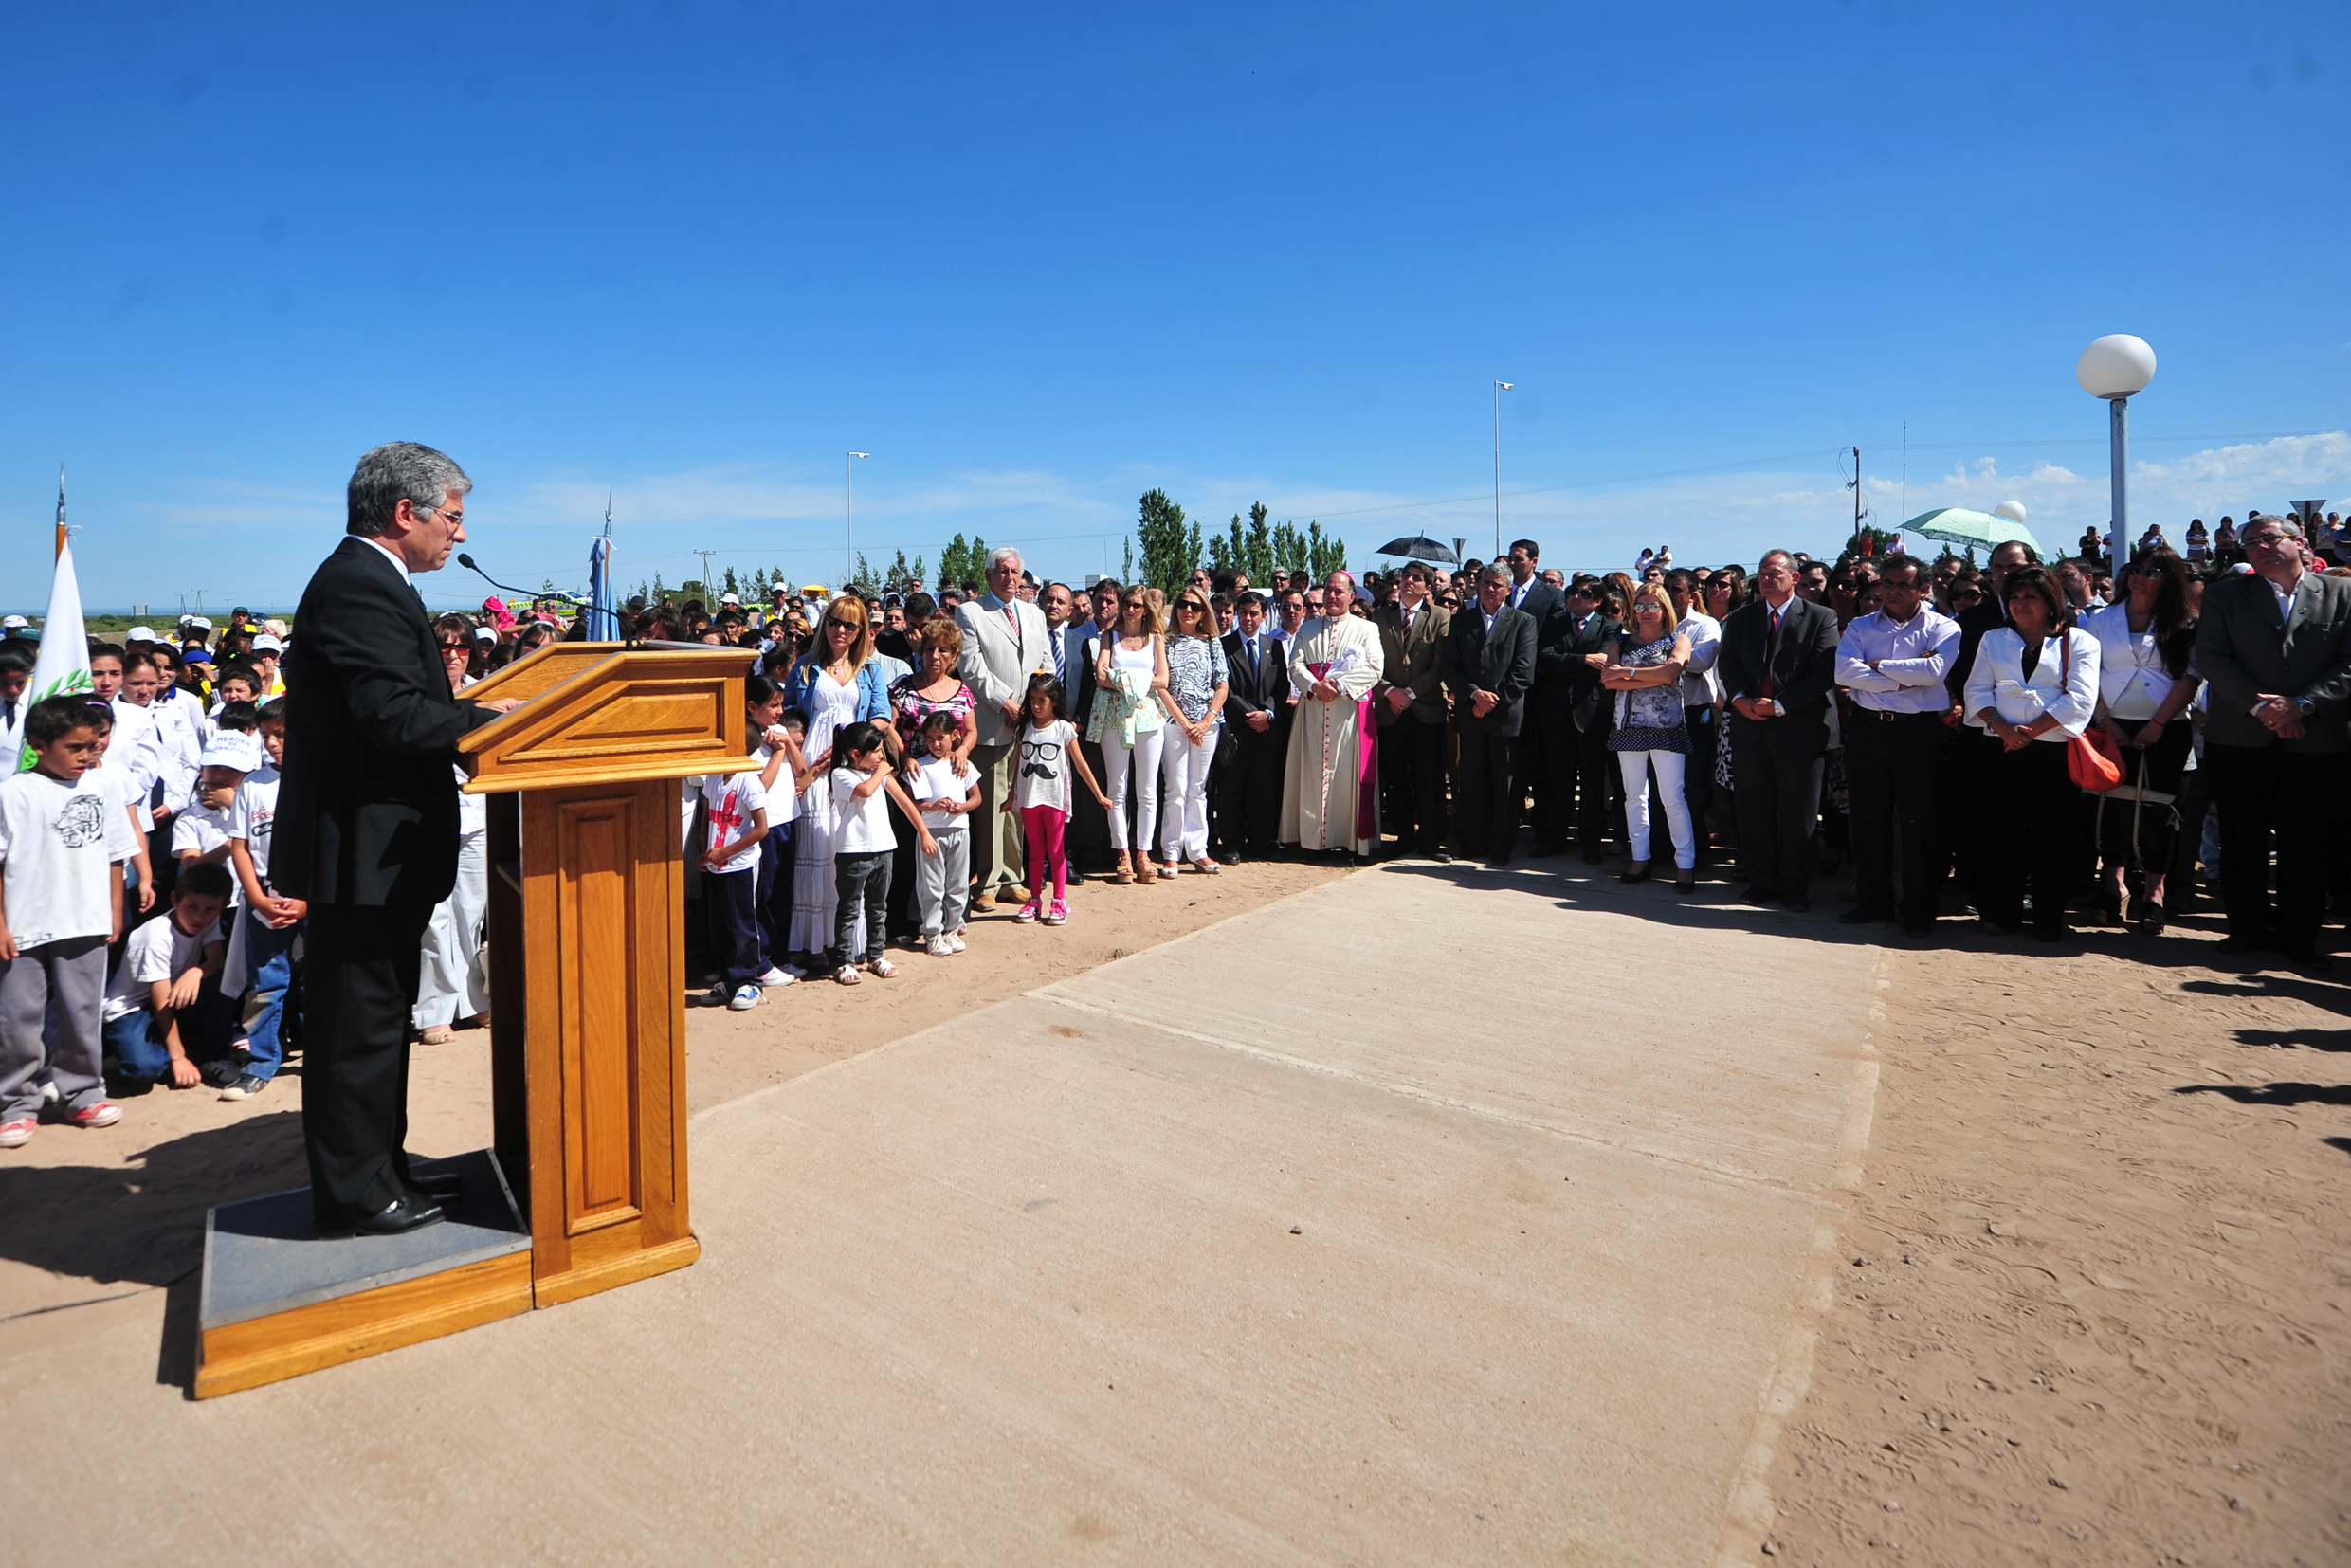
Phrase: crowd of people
(2035, 745)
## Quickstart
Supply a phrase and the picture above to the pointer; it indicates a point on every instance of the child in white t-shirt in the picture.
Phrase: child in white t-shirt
(64, 840)
(200, 833)
(737, 818)
(946, 799)
(863, 844)
(1041, 796)
(156, 1008)
(270, 922)
(783, 772)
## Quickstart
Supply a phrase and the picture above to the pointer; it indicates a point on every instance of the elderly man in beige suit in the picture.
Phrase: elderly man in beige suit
(1005, 642)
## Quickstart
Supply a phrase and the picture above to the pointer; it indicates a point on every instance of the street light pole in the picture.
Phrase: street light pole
(848, 496)
(1499, 387)
(2114, 368)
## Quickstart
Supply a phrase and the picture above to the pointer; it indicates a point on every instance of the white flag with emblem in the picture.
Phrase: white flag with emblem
(62, 666)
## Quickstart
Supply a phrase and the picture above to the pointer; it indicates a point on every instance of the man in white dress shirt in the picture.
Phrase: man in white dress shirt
(1005, 642)
(1698, 692)
(1894, 664)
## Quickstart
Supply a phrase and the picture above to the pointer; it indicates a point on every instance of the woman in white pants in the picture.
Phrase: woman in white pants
(1644, 669)
(1130, 717)
(452, 982)
(1196, 678)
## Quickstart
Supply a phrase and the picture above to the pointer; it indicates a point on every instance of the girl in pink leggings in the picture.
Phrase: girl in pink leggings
(1041, 794)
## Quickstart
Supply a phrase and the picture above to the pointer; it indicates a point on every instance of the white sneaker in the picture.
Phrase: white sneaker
(745, 998)
(954, 940)
(779, 976)
(48, 1094)
(937, 947)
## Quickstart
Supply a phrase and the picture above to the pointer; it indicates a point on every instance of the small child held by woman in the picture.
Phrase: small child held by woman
(942, 880)
(1041, 796)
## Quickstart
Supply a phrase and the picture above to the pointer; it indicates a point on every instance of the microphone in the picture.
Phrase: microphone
(466, 561)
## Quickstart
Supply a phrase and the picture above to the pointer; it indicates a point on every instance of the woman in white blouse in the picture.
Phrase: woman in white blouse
(2034, 686)
(2145, 642)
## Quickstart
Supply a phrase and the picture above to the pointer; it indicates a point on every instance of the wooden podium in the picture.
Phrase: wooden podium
(587, 1034)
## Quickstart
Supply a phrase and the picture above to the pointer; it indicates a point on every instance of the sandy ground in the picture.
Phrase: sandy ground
(2092, 1306)
(90, 1215)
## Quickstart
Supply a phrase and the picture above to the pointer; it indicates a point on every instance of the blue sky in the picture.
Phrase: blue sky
(1037, 260)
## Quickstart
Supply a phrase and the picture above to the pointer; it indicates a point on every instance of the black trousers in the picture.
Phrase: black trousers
(1411, 777)
(1569, 769)
(2155, 828)
(361, 973)
(2030, 821)
(1486, 811)
(1249, 791)
(1776, 775)
(1893, 765)
(733, 899)
(1087, 841)
(2265, 790)
(1698, 778)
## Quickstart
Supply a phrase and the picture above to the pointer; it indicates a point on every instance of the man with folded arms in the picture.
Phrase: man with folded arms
(1893, 663)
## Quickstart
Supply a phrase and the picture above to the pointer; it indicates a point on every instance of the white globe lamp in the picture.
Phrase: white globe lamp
(2013, 510)
(2117, 366)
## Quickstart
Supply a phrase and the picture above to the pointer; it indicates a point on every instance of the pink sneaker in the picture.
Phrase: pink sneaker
(1059, 913)
(1027, 914)
(104, 1114)
(16, 1134)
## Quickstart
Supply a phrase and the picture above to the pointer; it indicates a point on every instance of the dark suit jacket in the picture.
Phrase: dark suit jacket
(2244, 649)
(367, 813)
(1803, 669)
(1416, 662)
(1263, 692)
(1502, 663)
(1566, 689)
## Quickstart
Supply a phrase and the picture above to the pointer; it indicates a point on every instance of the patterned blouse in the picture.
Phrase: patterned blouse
(1649, 718)
(1195, 668)
(911, 708)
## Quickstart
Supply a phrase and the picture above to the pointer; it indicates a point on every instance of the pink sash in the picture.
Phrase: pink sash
(1366, 759)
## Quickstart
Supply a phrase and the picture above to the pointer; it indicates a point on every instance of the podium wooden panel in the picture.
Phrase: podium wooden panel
(587, 1032)
(586, 932)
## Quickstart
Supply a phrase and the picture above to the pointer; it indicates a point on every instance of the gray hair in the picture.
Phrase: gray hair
(1494, 573)
(1002, 553)
(394, 472)
(2286, 525)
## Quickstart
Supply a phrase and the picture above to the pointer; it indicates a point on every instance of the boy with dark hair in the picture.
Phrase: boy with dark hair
(165, 997)
(62, 843)
(270, 921)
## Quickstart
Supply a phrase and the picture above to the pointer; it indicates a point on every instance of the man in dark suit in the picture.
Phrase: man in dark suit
(2276, 645)
(1570, 717)
(1489, 665)
(1258, 682)
(1410, 701)
(1538, 601)
(1778, 668)
(366, 830)
(1089, 839)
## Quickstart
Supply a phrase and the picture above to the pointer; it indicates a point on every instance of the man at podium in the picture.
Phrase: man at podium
(366, 834)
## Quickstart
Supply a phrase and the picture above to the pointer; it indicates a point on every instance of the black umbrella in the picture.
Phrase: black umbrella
(1420, 547)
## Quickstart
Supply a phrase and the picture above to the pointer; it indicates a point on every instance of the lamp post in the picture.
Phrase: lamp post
(1499, 387)
(2114, 368)
(848, 501)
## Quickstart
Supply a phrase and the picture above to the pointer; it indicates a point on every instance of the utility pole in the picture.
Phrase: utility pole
(705, 555)
(848, 502)
(1856, 492)
(1499, 387)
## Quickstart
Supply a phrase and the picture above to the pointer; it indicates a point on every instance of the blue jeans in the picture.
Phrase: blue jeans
(269, 969)
(138, 1045)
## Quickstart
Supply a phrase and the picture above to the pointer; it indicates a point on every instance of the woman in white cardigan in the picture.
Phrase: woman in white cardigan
(2034, 686)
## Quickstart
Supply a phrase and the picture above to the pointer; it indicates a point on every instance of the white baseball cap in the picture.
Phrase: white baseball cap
(231, 749)
(729, 599)
(198, 623)
(13, 623)
(142, 634)
(484, 635)
(267, 644)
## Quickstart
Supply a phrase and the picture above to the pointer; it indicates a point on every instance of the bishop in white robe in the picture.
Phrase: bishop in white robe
(1330, 782)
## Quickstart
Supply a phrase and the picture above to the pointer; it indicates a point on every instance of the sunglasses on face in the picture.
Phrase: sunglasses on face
(455, 648)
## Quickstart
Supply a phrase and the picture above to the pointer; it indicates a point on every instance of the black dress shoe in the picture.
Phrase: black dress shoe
(1799, 904)
(446, 1188)
(1686, 883)
(404, 1214)
(2234, 946)
(1861, 917)
(1592, 854)
(1443, 857)
(1763, 898)
(2306, 955)
(1632, 876)
(1545, 850)
(1918, 928)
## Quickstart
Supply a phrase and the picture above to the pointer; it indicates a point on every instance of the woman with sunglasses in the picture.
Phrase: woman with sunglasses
(1132, 711)
(833, 685)
(1197, 683)
(1649, 735)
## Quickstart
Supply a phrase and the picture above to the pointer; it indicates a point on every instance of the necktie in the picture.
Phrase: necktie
(1771, 652)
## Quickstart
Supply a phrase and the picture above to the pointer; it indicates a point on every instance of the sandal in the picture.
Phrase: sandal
(1205, 867)
(1144, 873)
(2150, 917)
(439, 1034)
(1123, 876)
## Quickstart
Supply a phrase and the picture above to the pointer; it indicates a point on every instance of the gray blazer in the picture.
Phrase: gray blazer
(2244, 648)
(998, 658)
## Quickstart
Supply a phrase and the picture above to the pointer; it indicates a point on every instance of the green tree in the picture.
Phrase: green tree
(864, 580)
(1170, 547)
(902, 578)
(1126, 560)
(1257, 553)
(961, 564)
(728, 585)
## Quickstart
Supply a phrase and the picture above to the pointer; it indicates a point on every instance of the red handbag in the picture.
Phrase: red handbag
(2092, 759)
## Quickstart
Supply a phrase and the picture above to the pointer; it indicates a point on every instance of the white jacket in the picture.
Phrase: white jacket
(1997, 680)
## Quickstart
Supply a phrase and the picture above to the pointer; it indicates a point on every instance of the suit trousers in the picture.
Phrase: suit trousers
(1412, 774)
(2032, 825)
(1893, 767)
(1570, 779)
(360, 988)
(1487, 811)
(996, 847)
(1089, 823)
(2265, 790)
(1776, 775)
(1247, 773)
(1698, 779)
